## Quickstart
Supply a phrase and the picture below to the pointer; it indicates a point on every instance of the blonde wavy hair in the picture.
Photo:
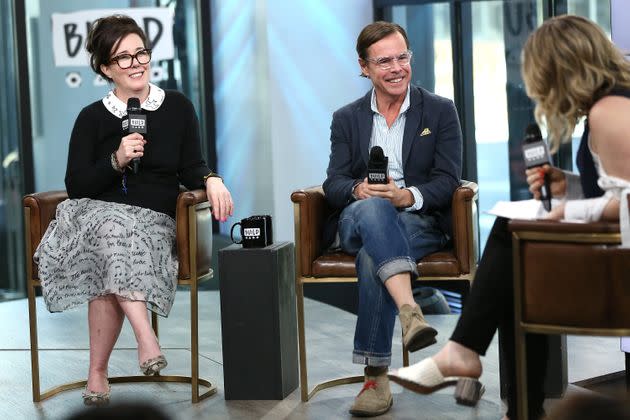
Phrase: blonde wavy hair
(569, 64)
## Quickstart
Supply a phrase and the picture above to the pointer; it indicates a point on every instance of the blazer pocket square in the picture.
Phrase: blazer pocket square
(425, 132)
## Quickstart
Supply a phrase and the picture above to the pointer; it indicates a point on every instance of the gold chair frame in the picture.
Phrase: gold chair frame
(596, 235)
(193, 216)
(464, 222)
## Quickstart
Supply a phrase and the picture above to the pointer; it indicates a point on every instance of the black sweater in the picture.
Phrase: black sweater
(172, 155)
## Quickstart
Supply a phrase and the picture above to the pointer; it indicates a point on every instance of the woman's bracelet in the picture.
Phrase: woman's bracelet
(115, 164)
(211, 175)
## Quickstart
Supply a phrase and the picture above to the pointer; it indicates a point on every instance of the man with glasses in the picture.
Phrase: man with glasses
(390, 226)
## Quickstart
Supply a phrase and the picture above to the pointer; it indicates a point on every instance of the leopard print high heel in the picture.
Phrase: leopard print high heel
(153, 366)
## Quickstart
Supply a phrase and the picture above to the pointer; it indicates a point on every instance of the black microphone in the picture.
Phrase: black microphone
(536, 153)
(377, 166)
(135, 122)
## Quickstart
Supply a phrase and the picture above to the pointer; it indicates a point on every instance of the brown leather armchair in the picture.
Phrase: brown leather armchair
(569, 278)
(310, 212)
(194, 251)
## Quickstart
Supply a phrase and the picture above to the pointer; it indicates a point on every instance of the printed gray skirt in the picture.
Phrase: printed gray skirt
(95, 248)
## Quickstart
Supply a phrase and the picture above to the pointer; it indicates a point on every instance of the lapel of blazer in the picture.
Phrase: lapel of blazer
(366, 119)
(412, 124)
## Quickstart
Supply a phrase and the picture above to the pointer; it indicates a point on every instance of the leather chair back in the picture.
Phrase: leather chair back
(569, 278)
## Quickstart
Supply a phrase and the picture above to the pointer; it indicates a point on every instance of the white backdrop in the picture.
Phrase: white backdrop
(281, 69)
(619, 19)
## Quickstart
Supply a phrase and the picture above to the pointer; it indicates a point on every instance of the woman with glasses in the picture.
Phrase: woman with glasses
(112, 243)
(572, 71)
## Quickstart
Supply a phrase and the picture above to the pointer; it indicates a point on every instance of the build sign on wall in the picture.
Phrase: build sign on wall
(69, 31)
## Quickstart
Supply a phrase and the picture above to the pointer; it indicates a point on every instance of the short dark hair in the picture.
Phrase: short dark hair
(105, 35)
(376, 31)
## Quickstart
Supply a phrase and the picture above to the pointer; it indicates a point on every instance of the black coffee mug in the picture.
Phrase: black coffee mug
(256, 231)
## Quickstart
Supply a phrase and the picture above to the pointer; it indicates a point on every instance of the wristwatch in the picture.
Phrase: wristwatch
(211, 175)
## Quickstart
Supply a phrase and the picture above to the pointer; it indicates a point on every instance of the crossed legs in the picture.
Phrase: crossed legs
(387, 243)
(105, 319)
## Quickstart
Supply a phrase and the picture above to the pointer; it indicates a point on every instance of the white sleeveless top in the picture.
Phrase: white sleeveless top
(618, 188)
(590, 210)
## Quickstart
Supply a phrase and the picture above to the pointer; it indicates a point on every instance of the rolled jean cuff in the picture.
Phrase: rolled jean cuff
(397, 266)
(371, 359)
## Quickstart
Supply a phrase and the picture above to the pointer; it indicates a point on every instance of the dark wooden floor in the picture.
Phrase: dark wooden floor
(329, 342)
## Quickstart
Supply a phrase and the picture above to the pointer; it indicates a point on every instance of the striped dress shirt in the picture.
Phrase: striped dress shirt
(391, 139)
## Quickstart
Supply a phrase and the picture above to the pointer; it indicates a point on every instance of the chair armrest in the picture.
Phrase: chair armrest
(310, 210)
(464, 216)
(39, 211)
(192, 197)
(203, 226)
(604, 232)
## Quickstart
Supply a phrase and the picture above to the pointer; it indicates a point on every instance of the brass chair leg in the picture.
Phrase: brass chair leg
(131, 379)
(299, 294)
(194, 379)
(32, 318)
(194, 342)
(304, 392)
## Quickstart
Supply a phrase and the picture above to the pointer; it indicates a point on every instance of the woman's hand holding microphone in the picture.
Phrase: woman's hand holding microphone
(131, 147)
(557, 185)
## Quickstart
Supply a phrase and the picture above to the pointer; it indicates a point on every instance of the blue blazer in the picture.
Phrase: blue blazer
(431, 154)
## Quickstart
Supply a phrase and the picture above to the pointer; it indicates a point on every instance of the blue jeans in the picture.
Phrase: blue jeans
(386, 242)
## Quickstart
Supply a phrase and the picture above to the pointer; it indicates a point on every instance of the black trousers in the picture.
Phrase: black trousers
(490, 306)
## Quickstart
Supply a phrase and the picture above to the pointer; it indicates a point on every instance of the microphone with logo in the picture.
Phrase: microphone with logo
(135, 122)
(377, 166)
(536, 153)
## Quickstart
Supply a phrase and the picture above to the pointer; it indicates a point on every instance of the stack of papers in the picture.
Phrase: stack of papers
(524, 209)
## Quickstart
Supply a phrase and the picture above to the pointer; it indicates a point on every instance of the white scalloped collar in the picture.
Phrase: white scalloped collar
(119, 108)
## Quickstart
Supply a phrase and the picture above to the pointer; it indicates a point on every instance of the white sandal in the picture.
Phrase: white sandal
(425, 378)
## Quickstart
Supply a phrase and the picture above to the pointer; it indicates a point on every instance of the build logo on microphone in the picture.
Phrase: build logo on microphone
(377, 178)
(137, 124)
(535, 154)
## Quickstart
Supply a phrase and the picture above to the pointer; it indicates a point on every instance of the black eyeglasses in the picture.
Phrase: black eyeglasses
(125, 61)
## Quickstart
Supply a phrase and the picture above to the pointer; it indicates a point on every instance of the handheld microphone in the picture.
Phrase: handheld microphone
(377, 166)
(135, 122)
(536, 153)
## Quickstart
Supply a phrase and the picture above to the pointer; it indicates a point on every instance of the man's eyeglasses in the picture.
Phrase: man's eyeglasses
(386, 63)
(125, 61)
